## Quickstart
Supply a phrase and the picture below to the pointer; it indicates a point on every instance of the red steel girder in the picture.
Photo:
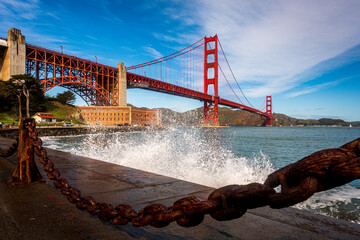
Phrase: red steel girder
(47, 66)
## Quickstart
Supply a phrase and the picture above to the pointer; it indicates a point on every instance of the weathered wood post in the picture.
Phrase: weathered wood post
(26, 170)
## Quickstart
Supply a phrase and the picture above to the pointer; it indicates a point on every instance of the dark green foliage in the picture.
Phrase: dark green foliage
(7, 99)
(37, 97)
(15, 87)
(283, 120)
(329, 121)
(66, 97)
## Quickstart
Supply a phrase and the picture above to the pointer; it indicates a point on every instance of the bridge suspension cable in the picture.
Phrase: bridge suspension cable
(223, 74)
(173, 55)
(262, 107)
(180, 68)
(230, 85)
(232, 73)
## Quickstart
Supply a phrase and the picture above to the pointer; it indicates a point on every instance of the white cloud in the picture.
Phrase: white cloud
(314, 88)
(271, 43)
(164, 37)
(27, 9)
(154, 53)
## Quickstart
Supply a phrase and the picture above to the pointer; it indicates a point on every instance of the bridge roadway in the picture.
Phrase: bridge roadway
(39, 211)
(139, 81)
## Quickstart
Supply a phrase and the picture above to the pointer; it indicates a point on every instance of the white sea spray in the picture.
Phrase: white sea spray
(185, 155)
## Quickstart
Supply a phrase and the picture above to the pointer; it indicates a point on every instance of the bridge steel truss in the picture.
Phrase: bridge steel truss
(95, 83)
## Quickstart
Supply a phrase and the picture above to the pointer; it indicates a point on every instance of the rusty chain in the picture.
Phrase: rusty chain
(12, 149)
(315, 173)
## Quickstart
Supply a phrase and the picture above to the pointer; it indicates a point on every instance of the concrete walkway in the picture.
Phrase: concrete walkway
(39, 211)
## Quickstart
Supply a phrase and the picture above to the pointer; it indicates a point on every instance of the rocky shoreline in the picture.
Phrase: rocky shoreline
(70, 131)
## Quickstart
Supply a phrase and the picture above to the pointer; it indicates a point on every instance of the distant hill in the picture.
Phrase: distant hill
(170, 117)
(283, 120)
(229, 117)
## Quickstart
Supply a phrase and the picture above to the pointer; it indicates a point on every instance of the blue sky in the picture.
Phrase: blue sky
(306, 54)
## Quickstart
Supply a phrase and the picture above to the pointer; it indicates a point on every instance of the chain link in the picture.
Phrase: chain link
(317, 172)
(12, 149)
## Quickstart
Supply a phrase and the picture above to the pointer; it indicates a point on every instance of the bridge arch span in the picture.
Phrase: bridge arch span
(91, 92)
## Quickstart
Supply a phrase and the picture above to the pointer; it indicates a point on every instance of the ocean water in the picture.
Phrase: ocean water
(223, 156)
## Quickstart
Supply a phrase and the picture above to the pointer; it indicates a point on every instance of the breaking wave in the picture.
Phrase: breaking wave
(187, 155)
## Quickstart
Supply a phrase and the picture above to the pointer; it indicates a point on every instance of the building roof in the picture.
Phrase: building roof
(45, 115)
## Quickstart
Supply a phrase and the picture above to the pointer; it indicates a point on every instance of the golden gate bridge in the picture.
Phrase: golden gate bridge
(197, 71)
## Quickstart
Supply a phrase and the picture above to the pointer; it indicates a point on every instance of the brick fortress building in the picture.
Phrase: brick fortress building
(110, 115)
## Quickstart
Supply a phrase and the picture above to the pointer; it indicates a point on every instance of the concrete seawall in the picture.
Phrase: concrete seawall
(39, 211)
(68, 131)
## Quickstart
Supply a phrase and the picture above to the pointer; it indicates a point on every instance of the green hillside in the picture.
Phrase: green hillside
(62, 112)
(283, 120)
(229, 117)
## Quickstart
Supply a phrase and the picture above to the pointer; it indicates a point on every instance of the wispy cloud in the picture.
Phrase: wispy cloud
(272, 43)
(27, 9)
(153, 52)
(312, 89)
(164, 37)
(51, 14)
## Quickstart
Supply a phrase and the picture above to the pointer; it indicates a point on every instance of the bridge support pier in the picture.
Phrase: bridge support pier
(122, 85)
(211, 118)
(13, 58)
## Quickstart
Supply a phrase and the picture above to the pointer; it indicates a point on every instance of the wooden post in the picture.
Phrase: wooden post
(26, 170)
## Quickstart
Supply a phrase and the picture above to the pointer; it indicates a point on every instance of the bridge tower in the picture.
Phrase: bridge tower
(12, 55)
(269, 111)
(211, 117)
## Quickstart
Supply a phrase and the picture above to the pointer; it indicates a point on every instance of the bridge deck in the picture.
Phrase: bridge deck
(39, 211)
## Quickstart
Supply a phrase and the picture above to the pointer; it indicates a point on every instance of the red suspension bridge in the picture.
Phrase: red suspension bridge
(197, 71)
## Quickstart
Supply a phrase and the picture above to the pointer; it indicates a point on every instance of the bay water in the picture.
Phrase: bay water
(221, 156)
